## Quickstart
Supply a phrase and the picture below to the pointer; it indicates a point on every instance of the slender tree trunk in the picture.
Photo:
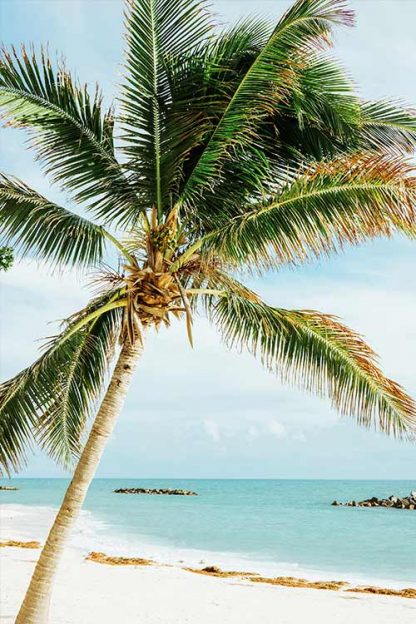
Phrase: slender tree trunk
(35, 607)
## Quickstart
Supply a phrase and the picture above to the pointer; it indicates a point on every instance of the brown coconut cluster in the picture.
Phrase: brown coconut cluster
(153, 289)
(151, 296)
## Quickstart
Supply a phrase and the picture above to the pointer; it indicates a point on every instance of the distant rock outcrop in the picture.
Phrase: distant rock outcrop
(161, 491)
(7, 488)
(408, 502)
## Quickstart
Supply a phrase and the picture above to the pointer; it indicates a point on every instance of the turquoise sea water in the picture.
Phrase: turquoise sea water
(276, 526)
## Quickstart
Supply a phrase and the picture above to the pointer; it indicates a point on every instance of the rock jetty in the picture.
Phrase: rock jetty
(408, 502)
(161, 491)
(7, 488)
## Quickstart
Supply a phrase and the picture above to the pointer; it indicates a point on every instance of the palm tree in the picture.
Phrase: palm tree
(236, 150)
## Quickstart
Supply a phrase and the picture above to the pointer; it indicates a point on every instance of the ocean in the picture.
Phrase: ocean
(269, 526)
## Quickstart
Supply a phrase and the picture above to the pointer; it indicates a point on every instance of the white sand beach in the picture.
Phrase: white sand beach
(92, 593)
(89, 593)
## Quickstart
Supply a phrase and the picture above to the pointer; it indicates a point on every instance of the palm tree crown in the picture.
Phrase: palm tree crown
(227, 151)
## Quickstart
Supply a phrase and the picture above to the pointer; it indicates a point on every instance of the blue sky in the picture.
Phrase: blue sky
(210, 412)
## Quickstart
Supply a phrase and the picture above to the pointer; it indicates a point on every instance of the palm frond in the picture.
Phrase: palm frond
(78, 387)
(266, 85)
(207, 77)
(36, 226)
(319, 119)
(321, 355)
(50, 401)
(156, 31)
(386, 126)
(70, 131)
(331, 204)
(322, 114)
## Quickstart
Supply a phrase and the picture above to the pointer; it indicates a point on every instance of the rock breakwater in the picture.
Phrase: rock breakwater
(408, 502)
(160, 492)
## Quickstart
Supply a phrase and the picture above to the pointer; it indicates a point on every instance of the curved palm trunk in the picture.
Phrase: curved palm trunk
(35, 607)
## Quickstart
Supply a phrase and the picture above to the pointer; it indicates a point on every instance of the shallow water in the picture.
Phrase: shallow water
(269, 526)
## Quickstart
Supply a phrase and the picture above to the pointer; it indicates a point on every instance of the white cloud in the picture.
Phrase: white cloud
(212, 430)
(277, 429)
(252, 432)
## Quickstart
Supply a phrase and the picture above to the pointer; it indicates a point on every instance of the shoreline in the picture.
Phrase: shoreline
(169, 594)
(21, 522)
(214, 571)
(89, 593)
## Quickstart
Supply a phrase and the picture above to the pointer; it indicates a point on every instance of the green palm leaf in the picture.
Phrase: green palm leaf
(388, 127)
(156, 31)
(321, 355)
(39, 227)
(322, 114)
(319, 211)
(70, 131)
(79, 384)
(208, 76)
(320, 118)
(50, 401)
(266, 84)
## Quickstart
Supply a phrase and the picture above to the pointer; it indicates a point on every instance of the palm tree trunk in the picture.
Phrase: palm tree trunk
(35, 607)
